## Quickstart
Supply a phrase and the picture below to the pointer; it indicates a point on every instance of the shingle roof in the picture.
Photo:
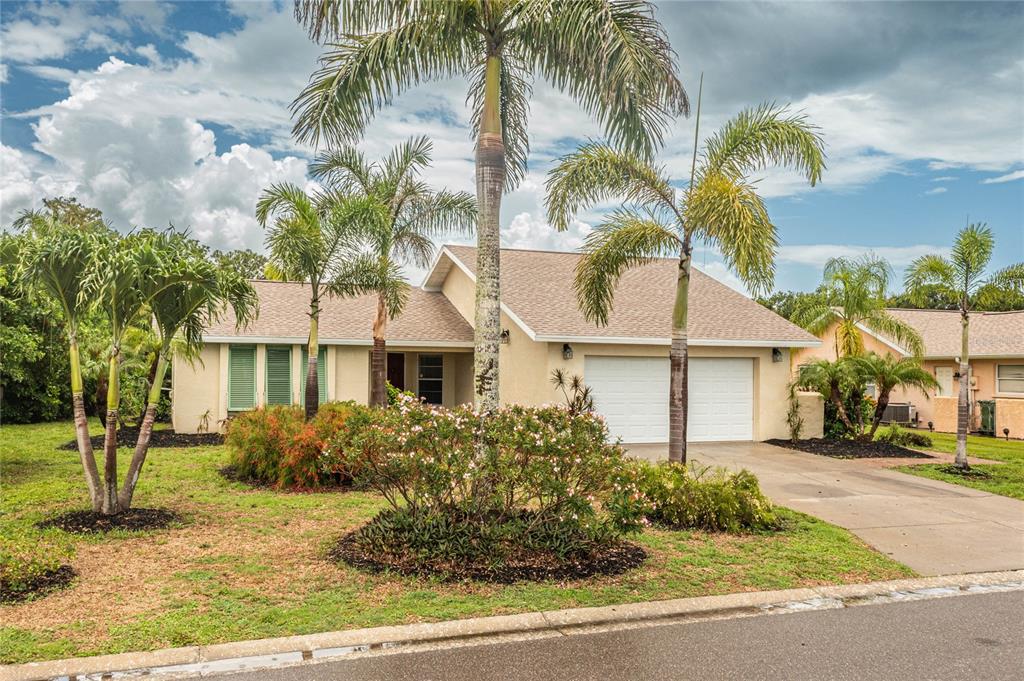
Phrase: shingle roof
(991, 333)
(537, 287)
(284, 313)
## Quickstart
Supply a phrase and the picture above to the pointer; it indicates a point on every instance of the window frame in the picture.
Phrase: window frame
(255, 367)
(419, 377)
(266, 374)
(999, 390)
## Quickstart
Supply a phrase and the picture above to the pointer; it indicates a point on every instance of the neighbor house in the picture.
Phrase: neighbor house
(739, 350)
(996, 357)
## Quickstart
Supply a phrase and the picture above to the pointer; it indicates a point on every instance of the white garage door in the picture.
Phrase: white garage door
(632, 394)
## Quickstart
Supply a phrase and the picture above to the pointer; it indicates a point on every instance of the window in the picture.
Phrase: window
(279, 374)
(870, 390)
(241, 377)
(944, 375)
(1010, 378)
(431, 378)
(321, 373)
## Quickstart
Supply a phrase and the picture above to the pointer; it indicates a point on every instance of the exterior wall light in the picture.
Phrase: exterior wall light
(566, 351)
(776, 355)
(504, 336)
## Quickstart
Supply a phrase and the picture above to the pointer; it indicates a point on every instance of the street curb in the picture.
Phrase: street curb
(296, 649)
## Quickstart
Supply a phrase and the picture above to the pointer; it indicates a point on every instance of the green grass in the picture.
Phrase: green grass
(1006, 478)
(249, 563)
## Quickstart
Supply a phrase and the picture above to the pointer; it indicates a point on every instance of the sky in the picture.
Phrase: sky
(178, 113)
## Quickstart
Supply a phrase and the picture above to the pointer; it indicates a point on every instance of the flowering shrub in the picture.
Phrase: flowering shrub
(30, 564)
(276, 446)
(465, 488)
(715, 500)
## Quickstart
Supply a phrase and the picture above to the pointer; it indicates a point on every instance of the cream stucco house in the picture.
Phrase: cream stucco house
(996, 360)
(739, 367)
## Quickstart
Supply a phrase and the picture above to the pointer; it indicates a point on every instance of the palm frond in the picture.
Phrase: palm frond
(930, 273)
(816, 318)
(404, 161)
(438, 213)
(344, 170)
(626, 239)
(597, 172)
(334, 18)
(972, 251)
(764, 136)
(906, 336)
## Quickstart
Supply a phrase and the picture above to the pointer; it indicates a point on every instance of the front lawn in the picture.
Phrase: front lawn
(248, 563)
(1006, 478)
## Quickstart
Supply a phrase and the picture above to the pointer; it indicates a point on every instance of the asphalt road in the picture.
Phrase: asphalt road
(962, 637)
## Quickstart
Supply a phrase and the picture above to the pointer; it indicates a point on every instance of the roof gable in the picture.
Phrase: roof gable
(992, 334)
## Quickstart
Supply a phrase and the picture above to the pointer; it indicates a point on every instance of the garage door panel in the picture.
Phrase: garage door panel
(632, 394)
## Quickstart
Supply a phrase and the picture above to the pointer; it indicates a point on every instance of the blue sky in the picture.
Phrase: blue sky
(178, 113)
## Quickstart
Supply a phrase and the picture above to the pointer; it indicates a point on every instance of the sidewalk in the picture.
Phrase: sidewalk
(933, 527)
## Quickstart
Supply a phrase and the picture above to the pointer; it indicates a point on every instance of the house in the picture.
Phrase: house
(739, 366)
(996, 360)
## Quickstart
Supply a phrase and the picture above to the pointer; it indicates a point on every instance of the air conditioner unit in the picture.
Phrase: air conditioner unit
(900, 412)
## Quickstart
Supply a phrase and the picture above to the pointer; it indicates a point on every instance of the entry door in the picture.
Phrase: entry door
(396, 369)
(632, 394)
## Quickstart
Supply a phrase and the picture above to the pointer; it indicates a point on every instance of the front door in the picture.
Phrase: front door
(396, 369)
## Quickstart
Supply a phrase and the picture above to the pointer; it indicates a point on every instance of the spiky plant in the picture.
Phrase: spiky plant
(963, 277)
(719, 207)
(854, 300)
(611, 56)
(413, 214)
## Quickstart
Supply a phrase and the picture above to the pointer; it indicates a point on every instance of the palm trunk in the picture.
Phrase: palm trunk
(883, 402)
(963, 406)
(836, 395)
(679, 397)
(312, 350)
(92, 474)
(490, 182)
(109, 506)
(124, 499)
(378, 357)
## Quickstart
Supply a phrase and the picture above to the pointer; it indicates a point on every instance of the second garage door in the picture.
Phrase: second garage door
(632, 394)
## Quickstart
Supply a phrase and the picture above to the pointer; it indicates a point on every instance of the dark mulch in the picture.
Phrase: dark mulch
(851, 449)
(338, 483)
(531, 566)
(970, 473)
(50, 580)
(164, 437)
(133, 520)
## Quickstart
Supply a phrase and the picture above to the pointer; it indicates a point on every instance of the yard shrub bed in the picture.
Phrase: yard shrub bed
(32, 566)
(710, 499)
(276, 446)
(525, 493)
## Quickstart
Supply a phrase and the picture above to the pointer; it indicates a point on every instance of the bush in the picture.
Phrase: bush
(276, 446)
(855, 403)
(31, 565)
(715, 500)
(463, 490)
(895, 435)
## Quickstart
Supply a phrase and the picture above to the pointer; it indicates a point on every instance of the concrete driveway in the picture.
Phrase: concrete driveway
(934, 527)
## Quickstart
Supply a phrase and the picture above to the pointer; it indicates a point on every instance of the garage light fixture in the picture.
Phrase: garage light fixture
(504, 336)
(776, 355)
(566, 351)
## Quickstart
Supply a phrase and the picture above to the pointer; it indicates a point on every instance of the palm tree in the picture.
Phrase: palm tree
(854, 300)
(888, 372)
(719, 207)
(189, 293)
(834, 381)
(58, 259)
(311, 240)
(962, 277)
(413, 215)
(610, 56)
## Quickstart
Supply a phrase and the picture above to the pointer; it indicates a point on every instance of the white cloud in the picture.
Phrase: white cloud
(818, 254)
(1009, 177)
(944, 178)
(936, 190)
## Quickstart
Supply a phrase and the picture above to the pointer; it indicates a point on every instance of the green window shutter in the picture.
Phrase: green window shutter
(241, 377)
(279, 374)
(321, 373)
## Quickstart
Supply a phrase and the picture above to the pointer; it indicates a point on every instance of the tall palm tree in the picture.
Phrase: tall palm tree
(888, 372)
(611, 56)
(186, 295)
(58, 259)
(310, 239)
(855, 298)
(962, 277)
(413, 214)
(719, 207)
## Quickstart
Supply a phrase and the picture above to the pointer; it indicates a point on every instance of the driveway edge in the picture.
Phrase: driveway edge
(272, 652)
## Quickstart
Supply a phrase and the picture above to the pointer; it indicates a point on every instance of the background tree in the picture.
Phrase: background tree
(612, 57)
(411, 214)
(888, 372)
(787, 303)
(249, 264)
(720, 207)
(962, 277)
(854, 298)
(310, 239)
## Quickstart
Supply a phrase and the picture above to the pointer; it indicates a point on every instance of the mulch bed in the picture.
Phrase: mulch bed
(133, 520)
(165, 437)
(41, 585)
(614, 559)
(850, 449)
